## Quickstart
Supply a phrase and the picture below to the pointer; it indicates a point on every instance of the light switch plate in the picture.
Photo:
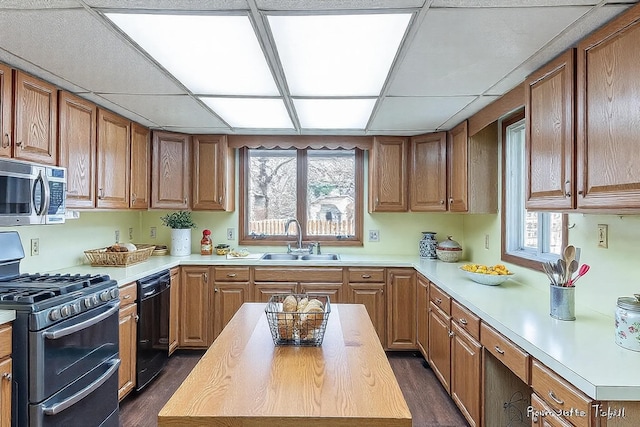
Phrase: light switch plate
(35, 246)
(231, 233)
(152, 233)
(374, 235)
(603, 236)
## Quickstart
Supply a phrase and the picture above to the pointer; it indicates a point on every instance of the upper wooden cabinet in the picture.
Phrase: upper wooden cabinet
(608, 89)
(77, 148)
(6, 106)
(213, 173)
(388, 174)
(170, 171)
(473, 169)
(113, 160)
(140, 166)
(549, 142)
(35, 119)
(428, 173)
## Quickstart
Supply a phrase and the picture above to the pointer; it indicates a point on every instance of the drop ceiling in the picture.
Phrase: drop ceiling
(456, 57)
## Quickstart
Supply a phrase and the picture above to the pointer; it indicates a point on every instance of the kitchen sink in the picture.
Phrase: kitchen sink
(293, 257)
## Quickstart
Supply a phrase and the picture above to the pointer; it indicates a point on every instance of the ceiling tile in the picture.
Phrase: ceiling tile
(417, 114)
(475, 106)
(319, 5)
(168, 110)
(481, 46)
(170, 4)
(80, 49)
(39, 4)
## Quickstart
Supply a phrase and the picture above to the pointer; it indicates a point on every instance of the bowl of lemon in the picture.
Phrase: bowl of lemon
(491, 275)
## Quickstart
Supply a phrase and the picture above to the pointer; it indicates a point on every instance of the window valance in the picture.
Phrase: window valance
(300, 141)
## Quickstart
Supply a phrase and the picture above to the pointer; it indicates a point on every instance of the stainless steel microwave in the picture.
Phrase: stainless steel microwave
(31, 193)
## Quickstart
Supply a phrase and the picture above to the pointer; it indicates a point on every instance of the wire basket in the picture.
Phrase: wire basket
(102, 258)
(298, 328)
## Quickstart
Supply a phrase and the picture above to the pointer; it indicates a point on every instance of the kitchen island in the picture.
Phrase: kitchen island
(245, 380)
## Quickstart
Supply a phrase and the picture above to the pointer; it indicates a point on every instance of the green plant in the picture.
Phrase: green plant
(180, 219)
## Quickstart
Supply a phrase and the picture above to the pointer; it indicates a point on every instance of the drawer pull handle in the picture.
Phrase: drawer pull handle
(438, 301)
(499, 350)
(7, 376)
(231, 274)
(555, 399)
(366, 276)
(463, 321)
(126, 297)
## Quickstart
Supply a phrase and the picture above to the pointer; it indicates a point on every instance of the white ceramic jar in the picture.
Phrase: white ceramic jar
(628, 322)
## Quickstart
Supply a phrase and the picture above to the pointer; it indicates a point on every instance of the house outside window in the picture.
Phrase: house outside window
(321, 188)
(528, 238)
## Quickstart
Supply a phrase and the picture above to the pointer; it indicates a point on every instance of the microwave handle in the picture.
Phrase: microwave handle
(44, 202)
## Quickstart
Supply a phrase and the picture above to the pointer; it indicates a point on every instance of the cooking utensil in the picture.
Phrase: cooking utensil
(561, 266)
(573, 267)
(548, 269)
(584, 268)
(569, 254)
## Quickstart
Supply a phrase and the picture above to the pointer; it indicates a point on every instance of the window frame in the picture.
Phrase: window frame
(523, 258)
(301, 208)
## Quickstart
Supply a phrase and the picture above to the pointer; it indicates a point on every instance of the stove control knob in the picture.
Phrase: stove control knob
(94, 299)
(54, 314)
(65, 311)
(104, 296)
(88, 302)
(75, 308)
(114, 293)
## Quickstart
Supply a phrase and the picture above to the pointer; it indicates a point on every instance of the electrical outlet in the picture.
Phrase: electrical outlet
(374, 235)
(231, 233)
(486, 241)
(603, 236)
(130, 233)
(152, 232)
(35, 247)
(117, 236)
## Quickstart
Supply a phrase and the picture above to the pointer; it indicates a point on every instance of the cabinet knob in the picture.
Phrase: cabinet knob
(442, 202)
(567, 188)
(136, 318)
(220, 199)
(6, 141)
(499, 350)
(463, 321)
(19, 144)
(7, 376)
(100, 193)
(451, 334)
(185, 201)
(451, 201)
(438, 301)
(215, 289)
(133, 198)
(205, 276)
(580, 192)
(377, 201)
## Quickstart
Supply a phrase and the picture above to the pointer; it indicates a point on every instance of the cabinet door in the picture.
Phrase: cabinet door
(457, 151)
(428, 173)
(170, 176)
(6, 85)
(194, 307)
(371, 295)
(440, 345)
(422, 313)
(174, 309)
(35, 119)
(128, 341)
(549, 130)
(113, 160)
(333, 290)
(6, 372)
(140, 166)
(213, 173)
(388, 175)
(401, 309)
(228, 297)
(77, 145)
(466, 375)
(608, 88)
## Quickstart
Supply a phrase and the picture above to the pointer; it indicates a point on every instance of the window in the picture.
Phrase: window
(321, 188)
(528, 237)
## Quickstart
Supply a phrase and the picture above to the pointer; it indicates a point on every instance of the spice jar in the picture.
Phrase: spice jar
(628, 322)
(206, 245)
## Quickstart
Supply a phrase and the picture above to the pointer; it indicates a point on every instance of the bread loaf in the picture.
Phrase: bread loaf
(312, 316)
(290, 304)
(285, 325)
(302, 304)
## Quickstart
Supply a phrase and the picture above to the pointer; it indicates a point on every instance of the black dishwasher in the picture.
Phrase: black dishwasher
(153, 326)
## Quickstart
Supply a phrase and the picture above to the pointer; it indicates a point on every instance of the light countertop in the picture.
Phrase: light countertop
(582, 351)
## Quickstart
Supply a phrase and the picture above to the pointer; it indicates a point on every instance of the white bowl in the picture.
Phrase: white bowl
(487, 279)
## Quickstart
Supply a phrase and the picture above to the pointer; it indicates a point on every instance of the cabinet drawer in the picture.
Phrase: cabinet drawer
(559, 394)
(284, 274)
(231, 274)
(543, 415)
(128, 294)
(366, 275)
(5, 340)
(440, 298)
(512, 356)
(465, 319)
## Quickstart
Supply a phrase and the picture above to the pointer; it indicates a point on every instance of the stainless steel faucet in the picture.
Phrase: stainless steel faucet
(286, 231)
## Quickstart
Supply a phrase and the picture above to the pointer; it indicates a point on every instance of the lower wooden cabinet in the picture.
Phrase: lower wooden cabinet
(422, 315)
(366, 286)
(195, 330)
(401, 309)
(6, 375)
(440, 345)
(466, 374)
(174, 310)
(128, 339)
(231, 289)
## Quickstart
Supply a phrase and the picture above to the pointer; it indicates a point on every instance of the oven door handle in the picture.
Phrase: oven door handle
(59, 333)
(72, 400)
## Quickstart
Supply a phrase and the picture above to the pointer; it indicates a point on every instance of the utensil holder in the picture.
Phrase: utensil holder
(563, 302)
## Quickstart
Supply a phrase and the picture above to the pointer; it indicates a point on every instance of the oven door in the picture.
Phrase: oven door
(68, 350)
(91, 401)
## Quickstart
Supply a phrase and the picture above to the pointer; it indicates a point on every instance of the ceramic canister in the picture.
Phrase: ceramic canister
(628, 322)
(428, 245)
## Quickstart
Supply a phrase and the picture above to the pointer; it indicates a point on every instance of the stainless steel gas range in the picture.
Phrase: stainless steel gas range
(65, 344)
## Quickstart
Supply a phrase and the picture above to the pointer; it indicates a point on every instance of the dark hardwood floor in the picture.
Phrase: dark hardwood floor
(428, 402)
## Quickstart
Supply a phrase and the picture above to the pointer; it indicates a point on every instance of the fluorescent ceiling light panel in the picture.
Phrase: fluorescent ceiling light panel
(334, 113)
(255, 113)
(217, 55)
(337, 55)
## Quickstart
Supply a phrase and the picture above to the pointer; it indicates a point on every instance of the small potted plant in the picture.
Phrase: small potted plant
(181, 224)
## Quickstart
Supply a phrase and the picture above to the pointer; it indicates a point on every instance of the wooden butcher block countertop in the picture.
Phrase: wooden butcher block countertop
(245, 380)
